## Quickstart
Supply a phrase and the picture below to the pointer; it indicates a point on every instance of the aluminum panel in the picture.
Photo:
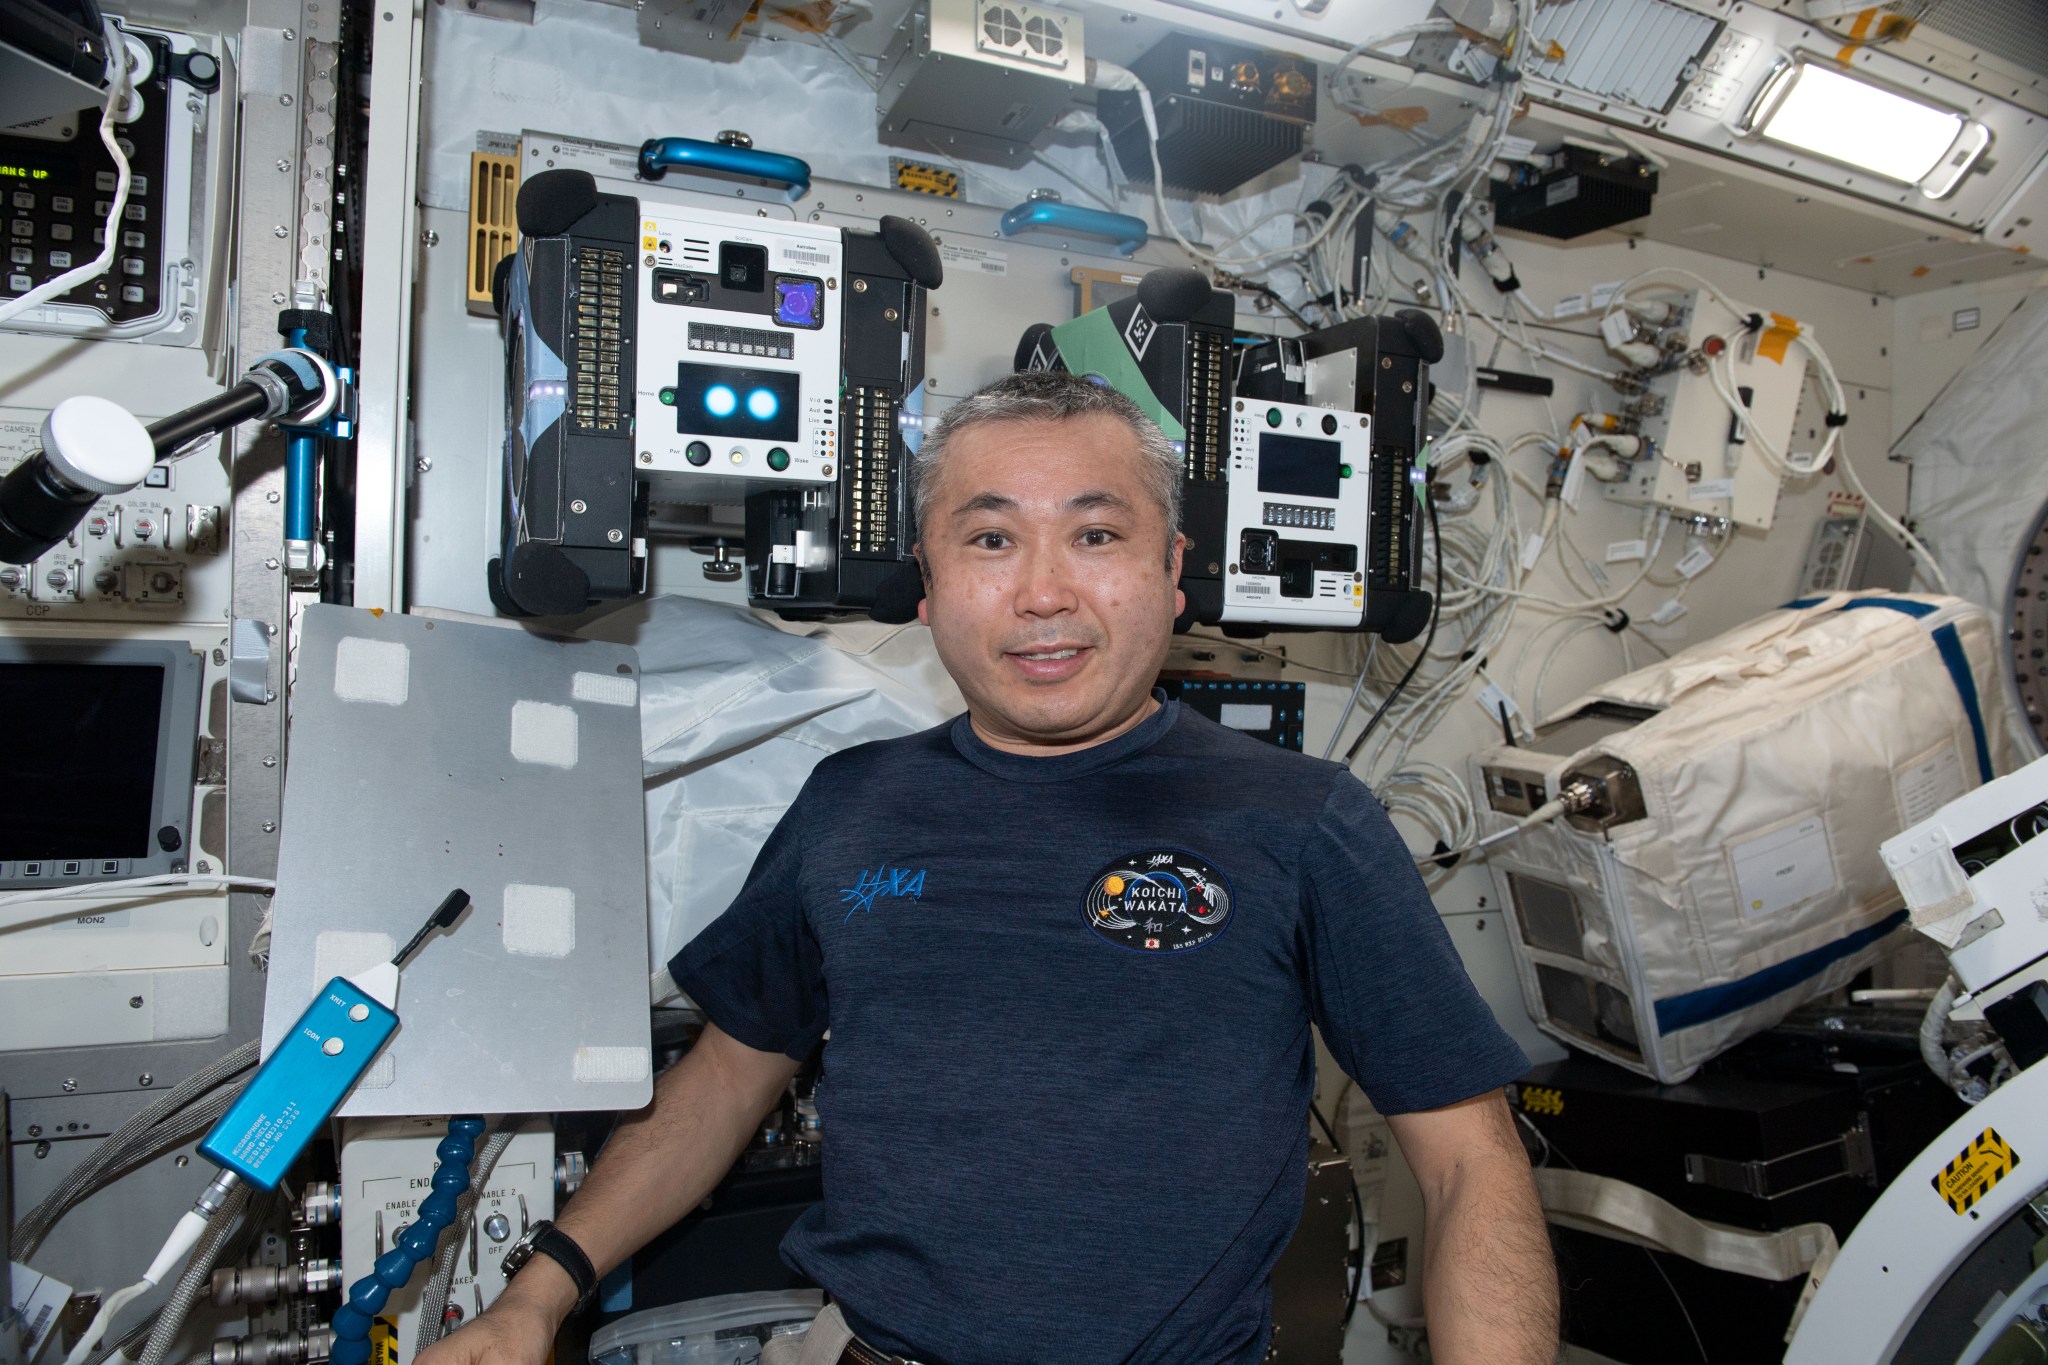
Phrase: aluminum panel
(407, 780)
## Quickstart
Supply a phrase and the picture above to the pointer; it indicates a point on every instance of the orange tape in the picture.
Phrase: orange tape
(1890, 28)
(815, 17)
(1777, 337)
(1406, 118)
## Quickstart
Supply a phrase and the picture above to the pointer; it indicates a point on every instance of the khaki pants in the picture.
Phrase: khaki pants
(821, 1345)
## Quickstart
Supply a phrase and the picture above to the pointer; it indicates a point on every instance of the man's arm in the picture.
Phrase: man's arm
(659, 1164)
(1489, 1281)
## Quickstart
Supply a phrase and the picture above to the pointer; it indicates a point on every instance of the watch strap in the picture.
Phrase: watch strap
(551, 1242)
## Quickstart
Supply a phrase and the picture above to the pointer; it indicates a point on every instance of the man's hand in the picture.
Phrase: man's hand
(658, 1165)
(519, 1329)
(1489, 1283)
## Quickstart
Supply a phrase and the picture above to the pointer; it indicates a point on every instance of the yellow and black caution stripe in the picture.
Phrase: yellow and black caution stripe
(1979, 1166)
(921, 178)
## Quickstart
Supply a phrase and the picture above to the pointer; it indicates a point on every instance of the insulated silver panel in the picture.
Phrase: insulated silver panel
(429, 755)
(1636, 51)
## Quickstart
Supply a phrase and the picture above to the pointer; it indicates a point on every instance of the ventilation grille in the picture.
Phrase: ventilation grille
(1391, 500)
(1025, 33)
(596, 374)
(1206, 398)
(868, 467)
(1633, 51)
(493, 230)
(2015, 31)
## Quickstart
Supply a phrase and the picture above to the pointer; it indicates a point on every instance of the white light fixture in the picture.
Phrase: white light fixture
(1859, 123)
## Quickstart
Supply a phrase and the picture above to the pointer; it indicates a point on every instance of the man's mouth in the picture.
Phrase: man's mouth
(1048, 654)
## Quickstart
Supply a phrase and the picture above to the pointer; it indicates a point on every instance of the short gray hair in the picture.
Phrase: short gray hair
(1052, 396)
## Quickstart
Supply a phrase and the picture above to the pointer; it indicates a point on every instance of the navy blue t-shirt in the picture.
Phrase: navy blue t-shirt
(1065, 1095)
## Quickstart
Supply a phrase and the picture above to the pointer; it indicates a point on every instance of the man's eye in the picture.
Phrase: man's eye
(1097, 536)
(991, 540)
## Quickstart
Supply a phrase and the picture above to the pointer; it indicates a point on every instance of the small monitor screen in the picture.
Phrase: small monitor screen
(78, 770)
(1299, 467)
(726, 400)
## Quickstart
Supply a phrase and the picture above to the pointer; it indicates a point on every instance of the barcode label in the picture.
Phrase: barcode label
(803, 255)
(976, 258)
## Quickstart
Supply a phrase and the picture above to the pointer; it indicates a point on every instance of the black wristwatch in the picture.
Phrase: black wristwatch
(545, 1239)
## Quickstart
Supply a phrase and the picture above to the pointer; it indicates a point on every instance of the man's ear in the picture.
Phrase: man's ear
(924, 572)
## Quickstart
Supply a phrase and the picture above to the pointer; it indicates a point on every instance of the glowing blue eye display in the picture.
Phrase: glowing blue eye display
(735, 401)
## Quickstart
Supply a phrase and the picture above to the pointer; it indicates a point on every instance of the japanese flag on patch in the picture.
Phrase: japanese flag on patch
(1151, 943)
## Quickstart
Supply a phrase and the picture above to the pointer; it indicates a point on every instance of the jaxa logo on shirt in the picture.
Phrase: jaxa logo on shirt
(1158, 901)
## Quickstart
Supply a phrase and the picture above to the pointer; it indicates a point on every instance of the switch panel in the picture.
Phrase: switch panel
(387, 1167)
(153, 554)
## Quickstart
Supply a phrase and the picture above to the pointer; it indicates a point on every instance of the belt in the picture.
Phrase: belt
(858, 1352)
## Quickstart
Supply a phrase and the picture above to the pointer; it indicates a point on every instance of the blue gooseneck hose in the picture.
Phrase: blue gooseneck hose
(415, 1243)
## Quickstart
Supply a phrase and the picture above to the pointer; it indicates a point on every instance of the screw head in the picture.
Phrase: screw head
(270, 826)
(284, 163)
(430, 237)
(423, 463)
(615, 535)
(270, 760)
(279, 232)
(145, 1079)
(70, 1086)
(579, 506)
(289, 35)
(35, 1130)
(134, 1002)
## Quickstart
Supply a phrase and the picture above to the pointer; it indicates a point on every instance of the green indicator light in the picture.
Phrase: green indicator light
(1272, 417)
(668, 398)
(1343, 471)
(778, 459)
(697, 453)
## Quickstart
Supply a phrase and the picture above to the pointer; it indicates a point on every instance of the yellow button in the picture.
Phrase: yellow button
(647, 244)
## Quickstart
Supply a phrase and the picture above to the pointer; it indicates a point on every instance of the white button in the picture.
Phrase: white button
(332, 1047)
(359, 1012)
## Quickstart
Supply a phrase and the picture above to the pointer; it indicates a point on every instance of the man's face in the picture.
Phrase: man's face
(1048, 589)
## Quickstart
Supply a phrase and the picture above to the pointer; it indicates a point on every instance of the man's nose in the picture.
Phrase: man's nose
(1045, 583)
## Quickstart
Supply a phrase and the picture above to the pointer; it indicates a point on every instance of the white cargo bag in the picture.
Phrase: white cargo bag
(1776, 759)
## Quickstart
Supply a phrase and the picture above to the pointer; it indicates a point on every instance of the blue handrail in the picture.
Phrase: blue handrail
(659, 155)
(1127, 232)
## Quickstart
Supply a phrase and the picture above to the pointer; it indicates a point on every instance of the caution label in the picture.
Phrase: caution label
(1982, 1164)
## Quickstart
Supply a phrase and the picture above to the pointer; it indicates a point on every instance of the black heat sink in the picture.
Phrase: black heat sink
(1584, 193)
(1204, 147)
